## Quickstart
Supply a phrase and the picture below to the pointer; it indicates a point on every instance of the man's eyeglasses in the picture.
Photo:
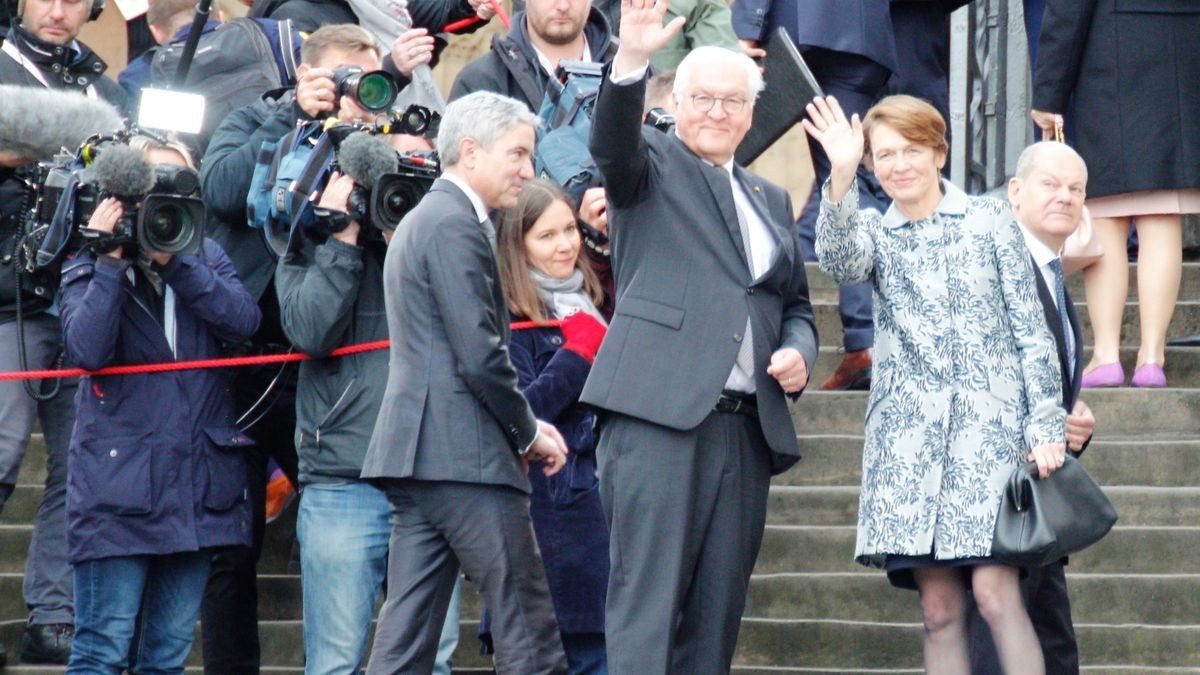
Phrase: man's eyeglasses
(732, 105)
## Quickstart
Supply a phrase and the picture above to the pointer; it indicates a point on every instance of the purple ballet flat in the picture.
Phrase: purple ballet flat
(1107, 375)
(1149, 375)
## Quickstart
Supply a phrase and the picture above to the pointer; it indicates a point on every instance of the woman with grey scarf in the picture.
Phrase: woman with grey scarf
(552, 294)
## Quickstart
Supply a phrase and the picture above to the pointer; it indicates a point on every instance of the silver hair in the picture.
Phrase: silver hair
(1031, 157)
(709, 55)
(483, 116)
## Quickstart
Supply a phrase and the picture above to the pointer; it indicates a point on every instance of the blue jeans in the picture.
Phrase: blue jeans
(156, 596)
(344, 530)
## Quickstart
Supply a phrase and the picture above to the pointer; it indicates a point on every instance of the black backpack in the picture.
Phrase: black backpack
(233, 67)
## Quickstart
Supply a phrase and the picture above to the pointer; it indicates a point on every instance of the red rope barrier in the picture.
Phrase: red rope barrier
(227, 362)
(455, 26)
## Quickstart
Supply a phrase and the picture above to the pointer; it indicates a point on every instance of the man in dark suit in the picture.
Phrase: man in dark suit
(454, 433)
(850, 47)
(712, 326)
(1047, 199)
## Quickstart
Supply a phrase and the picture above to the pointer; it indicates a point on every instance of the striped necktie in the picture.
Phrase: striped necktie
(1060, 298)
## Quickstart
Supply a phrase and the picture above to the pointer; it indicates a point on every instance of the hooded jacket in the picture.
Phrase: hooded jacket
(512, 67)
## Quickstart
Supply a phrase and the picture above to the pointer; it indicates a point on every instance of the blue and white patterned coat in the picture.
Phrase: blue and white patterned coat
(966, 379)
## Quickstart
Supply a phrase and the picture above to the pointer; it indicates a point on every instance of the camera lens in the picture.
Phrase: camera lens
(171, 224)
(395, 195)
(376, 91)
(415, 120)
(167, 225)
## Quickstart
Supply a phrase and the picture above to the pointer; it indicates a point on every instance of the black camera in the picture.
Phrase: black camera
(415, 120)
(660, 119)
(394, 194)
(161, 212)
(167, 219)
(373, 90)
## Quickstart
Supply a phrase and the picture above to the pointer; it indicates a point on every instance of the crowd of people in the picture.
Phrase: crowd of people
(586, 394)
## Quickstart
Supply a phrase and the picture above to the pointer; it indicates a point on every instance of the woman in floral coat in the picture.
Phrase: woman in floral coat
(966, 382)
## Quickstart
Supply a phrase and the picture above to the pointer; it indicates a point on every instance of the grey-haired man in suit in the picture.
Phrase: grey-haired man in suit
(712, 327)
(454, 433)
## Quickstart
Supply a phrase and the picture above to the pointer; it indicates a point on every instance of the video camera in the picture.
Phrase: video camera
(387, 183)
(161, 212)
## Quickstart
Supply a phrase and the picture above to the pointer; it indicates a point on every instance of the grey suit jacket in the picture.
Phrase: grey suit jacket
(684, 288)
(452, 410)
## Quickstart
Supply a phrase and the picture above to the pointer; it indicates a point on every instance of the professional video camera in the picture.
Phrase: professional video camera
(387, 183)
(161, 213)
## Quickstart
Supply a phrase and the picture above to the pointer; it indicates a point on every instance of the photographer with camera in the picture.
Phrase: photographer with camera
(230, 611)
(156, 465)
(331, 294)
(40, 50)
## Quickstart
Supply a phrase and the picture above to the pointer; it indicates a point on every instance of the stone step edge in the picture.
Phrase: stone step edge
(1150, 490)
(866, 572)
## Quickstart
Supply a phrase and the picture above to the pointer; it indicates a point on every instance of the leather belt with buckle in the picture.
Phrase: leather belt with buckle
(737, 403)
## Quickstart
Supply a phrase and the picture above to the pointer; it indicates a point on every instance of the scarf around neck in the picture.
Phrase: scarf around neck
(564, 297)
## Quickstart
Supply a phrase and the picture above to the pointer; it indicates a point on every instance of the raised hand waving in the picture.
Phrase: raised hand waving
(841, 138)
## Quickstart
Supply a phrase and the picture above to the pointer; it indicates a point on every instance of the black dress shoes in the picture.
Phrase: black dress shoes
(1192, 340)
(47, 643)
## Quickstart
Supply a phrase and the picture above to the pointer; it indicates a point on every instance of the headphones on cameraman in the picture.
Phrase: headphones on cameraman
(93, 13)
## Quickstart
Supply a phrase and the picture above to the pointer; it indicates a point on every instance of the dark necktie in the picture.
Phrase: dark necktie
(1060, 297)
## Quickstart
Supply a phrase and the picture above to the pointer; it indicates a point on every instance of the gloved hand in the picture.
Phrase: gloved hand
(582, 334)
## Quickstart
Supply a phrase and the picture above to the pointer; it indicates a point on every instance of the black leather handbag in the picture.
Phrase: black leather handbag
(1042, 521)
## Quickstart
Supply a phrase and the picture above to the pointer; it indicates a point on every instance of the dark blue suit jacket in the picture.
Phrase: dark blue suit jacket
(862, 27)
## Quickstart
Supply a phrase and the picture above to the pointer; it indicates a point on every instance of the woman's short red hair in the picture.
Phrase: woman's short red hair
(912, 118)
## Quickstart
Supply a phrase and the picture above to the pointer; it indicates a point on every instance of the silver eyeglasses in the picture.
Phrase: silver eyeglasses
(732, 105)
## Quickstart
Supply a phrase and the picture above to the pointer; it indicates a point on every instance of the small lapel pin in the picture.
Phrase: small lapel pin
(757, 188)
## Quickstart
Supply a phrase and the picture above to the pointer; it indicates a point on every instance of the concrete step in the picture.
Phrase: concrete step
(1158, 600)
(822, 288)
(1153, 599)
(282, 645)
(830, 548)
(836, 460)
(1185, 321)
(777, 632)
(1150, 414)
(1182, 365)
(849, 646)
(1137, 506)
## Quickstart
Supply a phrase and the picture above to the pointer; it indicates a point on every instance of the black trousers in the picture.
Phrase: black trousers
(686, 511)
(229, 614)
(1045, 592)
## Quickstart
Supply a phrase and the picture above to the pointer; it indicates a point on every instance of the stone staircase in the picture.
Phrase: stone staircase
(811, 609)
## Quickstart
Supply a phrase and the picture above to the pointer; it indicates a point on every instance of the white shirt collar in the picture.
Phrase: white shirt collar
(476, 201)
(1042, 254)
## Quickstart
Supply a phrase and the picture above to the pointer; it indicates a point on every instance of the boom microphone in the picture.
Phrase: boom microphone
(37, 123)
(366, 158)
(123, 171)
